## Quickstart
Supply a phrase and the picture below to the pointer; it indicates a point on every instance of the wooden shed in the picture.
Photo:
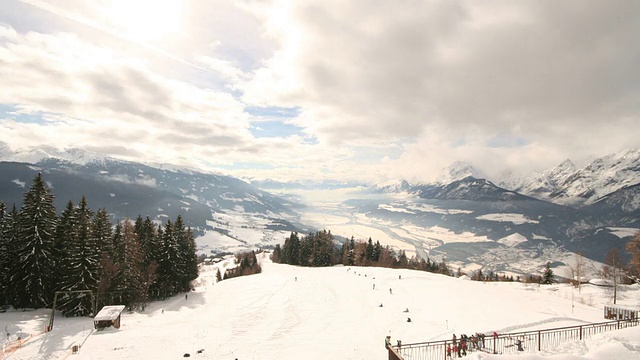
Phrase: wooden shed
(108, 316)
(614, 312)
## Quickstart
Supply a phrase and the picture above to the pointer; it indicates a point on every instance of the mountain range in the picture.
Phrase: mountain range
(512, 220)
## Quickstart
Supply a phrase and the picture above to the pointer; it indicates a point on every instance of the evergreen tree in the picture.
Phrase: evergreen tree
(548, 277)
(377, 250)
(218, 275)
(64, 239)
(131, 268)
(291, 250)
(369, 250)
(80, 264)
(305, 256)
(4, 259)
(187, 260)
(276, 257)
(167, 283)
(34, 274)
(8, 245)
(101, 232)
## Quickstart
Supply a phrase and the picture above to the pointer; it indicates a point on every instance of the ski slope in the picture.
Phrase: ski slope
(328, 313)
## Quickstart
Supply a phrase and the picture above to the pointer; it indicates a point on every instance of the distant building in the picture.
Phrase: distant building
(108, 316)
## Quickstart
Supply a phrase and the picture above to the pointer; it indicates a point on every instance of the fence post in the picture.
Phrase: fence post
(580, 332)
(539, 340)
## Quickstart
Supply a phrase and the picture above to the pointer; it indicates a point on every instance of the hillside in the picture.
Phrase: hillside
(328, 313)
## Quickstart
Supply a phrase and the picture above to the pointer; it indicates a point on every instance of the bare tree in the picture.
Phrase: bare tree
(611, 271)
(633, 248)
(576, 270)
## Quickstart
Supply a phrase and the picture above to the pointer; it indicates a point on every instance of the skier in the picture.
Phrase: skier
(374, 286)
(390, 292)
(519, 345)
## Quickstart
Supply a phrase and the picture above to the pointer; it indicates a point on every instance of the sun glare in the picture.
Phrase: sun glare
(146, 20)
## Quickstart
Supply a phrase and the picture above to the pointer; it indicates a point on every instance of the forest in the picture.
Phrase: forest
(83, 261)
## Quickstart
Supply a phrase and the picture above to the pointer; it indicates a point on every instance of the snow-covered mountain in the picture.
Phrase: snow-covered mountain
(547, 182)
(602, 176)
(457, 171)
(508, 227)
(129, 189)
(568, 185)
(392, 187)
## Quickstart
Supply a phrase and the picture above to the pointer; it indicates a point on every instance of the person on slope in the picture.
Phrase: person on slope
(518, 345)
(387, 342)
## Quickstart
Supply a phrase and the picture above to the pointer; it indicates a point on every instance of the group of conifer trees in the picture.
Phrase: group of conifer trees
(312, 250)
(87, 259)
(319, 249)
(247, 264)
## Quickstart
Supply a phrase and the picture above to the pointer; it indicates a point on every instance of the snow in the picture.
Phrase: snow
(289, 312)
(109, 312)
(19, 183)
(623, 232)
(512, 240)
(507, 217)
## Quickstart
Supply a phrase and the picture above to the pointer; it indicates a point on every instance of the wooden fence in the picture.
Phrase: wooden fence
(531, 341)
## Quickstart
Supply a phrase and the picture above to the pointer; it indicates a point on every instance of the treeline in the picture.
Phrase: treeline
(319, 249)
(247, 265)
(81, 252)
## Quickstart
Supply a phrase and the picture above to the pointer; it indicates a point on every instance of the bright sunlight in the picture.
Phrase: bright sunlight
(146, 20)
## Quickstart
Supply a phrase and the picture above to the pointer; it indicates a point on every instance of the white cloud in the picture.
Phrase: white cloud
(386, 90)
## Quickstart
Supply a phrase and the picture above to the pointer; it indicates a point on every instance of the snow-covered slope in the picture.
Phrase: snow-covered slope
(330, 313)
(548, 181)
(603, 176)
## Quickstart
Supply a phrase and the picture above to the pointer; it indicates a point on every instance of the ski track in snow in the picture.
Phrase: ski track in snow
(328, 313)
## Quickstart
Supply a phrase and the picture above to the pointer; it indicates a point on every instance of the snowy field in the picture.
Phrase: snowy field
(329, 313)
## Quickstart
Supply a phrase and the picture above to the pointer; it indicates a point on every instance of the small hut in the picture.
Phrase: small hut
(614, 312)
(108, 316)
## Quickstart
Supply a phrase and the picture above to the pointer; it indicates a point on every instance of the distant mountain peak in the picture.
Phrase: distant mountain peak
(458, 171)
(393, 187)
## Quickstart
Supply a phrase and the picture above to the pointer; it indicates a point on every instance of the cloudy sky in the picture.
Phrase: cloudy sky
(333, 89)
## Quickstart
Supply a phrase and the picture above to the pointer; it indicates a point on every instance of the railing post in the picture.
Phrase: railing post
(539, 340)
(580, 332)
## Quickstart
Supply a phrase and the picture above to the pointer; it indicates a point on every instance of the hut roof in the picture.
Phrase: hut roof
(109, 312)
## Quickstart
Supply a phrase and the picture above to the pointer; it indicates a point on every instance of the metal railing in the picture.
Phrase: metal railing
(531, 341)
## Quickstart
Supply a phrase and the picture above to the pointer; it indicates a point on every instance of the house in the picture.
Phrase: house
(108, 316)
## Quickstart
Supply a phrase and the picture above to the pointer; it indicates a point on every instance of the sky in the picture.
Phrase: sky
(332, 313)
(342, 90)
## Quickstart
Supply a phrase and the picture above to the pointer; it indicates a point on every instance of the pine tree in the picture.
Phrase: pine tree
(187, 262)
(80, 264)
(4, 257)
(101, 232)
(131, 268)
(369, 250)
(548, 277)
(167, 283)
(33, 274)
(276, 257)
(218, 275)
(9, 239)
